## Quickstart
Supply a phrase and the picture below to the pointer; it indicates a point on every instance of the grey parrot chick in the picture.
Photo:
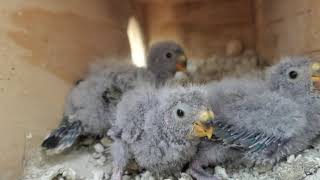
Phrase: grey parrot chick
(160, 128)
(297, 78)
(91, 105)
(253, 125)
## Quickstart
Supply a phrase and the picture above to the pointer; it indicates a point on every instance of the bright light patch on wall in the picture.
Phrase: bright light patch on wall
(136, 43)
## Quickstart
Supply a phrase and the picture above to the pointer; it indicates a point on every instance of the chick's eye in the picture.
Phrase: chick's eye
(293, 74)
(180, 113)
(168, 54)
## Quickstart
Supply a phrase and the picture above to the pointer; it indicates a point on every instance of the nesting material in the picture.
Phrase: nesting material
(302, 166)
(79, 164)
(83, 164)
(218, 67)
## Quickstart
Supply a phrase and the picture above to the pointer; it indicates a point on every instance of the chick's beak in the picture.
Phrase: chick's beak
(181, 64)
(315, 76)
(202, 127)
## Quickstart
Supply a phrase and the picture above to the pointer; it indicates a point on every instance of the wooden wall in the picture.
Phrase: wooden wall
(45, 46)
(203, 27)
(287, 27)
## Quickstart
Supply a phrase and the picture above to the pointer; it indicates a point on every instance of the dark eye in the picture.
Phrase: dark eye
(168, 54)
(105, 95)
(180, 113)
(293, 74)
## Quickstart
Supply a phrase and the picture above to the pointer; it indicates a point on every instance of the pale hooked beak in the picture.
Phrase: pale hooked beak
(201, 127)
(181, 64)
(315, 76)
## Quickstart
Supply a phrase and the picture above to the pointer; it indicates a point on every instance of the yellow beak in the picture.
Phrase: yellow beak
(201, 127)
(315, 66)
(181, 64)
(315, 76)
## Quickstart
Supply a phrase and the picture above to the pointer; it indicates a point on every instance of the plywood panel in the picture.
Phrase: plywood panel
(287, 27)
(45, 46)
(203, 27)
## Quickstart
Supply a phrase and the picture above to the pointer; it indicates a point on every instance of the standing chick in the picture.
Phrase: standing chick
(90, 107)
(159, 129)
(253, 123)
